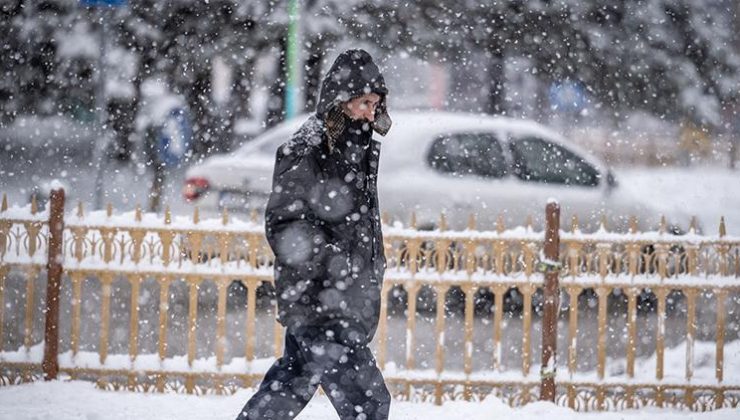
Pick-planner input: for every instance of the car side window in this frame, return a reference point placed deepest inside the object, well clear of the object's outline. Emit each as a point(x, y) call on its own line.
point(477, 154)
point(538, 160)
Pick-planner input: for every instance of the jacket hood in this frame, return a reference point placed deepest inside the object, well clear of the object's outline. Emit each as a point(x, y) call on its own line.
point(354, 74)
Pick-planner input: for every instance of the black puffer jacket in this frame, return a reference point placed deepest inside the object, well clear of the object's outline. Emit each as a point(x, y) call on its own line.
point(322, 218)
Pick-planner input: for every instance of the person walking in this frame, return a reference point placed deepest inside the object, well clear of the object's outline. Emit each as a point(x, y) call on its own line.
point(323, 225)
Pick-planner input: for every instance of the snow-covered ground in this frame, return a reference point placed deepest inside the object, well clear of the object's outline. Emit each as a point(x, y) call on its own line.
point(81, 400)
point(705, 192)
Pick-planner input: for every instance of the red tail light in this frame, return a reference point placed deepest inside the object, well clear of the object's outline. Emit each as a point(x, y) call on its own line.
point(194, 188)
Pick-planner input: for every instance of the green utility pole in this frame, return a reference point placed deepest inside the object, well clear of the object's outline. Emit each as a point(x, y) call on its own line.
point(292, 61)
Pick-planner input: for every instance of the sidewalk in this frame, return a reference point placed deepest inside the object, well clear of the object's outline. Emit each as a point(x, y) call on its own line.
point(80, 400)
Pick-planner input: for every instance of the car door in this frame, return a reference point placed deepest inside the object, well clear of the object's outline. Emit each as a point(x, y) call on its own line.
point(545, 169)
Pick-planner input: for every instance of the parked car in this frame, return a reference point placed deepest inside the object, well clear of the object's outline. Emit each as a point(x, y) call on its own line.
point(434, 162)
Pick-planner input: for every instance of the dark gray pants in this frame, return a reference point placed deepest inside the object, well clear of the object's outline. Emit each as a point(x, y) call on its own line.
point(312, 357)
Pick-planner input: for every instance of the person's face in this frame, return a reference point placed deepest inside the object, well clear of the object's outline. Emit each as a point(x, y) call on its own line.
point(362, 107)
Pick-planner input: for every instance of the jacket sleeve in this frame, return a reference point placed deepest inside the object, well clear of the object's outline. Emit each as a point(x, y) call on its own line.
point(292, 229)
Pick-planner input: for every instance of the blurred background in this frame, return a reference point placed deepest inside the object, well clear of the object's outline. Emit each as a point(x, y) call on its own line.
point(116, 96)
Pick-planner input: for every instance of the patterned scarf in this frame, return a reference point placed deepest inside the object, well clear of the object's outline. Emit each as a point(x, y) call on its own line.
point(336, 122)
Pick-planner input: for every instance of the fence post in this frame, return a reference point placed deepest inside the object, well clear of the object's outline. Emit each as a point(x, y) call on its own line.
point(50, 364)
point(551, 269)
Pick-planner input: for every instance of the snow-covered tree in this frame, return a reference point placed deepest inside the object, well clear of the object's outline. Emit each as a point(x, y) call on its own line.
point(29, 76)
point(672, 58)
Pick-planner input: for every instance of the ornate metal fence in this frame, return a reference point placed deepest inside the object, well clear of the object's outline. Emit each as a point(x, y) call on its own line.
point(158, 303)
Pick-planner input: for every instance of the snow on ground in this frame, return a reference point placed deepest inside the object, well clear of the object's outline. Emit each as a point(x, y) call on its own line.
point(81, 400)
point(705, 192)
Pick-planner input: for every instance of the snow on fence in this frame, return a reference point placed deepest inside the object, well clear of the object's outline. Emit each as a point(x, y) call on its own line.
point(151, 284)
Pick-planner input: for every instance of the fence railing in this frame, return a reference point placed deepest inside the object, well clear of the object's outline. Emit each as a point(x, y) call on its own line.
point(161, 303)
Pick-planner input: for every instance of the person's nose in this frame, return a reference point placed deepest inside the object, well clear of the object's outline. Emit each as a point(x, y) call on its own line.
point(370, 113)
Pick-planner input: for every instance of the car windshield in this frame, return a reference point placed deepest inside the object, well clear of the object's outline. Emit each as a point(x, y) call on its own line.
point(538, 160)
point(270, 145)
point(266, 143)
